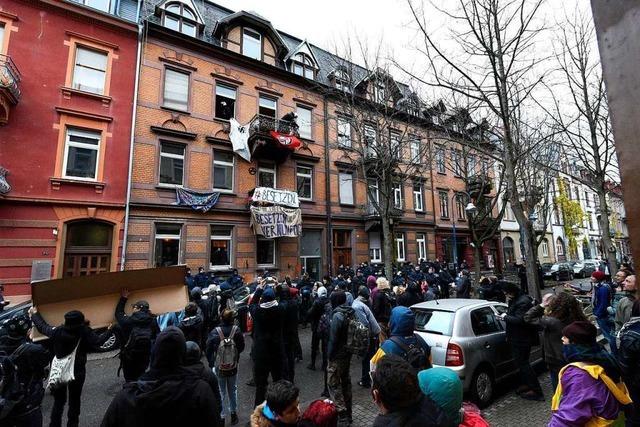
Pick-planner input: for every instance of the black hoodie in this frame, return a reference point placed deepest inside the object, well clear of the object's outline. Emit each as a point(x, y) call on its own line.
point(138, 319)
point(167, 395)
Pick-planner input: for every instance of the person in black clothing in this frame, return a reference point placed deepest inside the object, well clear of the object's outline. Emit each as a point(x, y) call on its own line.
point(268, 342)
point(318, 339)
point(290, 331)
point(338, 369)
point(73, 335)
point(138, 332)
point(193, 364)
point(521, 336)
point(167, 395)
point(396, 392)
point(463, 285)
point(412, 295)
point(444, 280)
point(192, 324)
point(490, 289)
point(383, 303)
point(356, 282)
point(201, 280)
point(209, 309)
point(228, 380)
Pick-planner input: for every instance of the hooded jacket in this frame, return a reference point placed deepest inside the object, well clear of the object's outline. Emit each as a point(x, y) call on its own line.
point(268, 324)
point(518, 331)
point(137, 319)
point(424, 413)
point(411, 296)
point(258, 419)
point(167, 395)
point(192, 328)
point(629, 353)
point(338, 332)
point(444, 387)
point(316, 311)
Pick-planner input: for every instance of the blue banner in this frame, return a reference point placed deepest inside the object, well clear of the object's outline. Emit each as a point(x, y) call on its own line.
point(198, 201)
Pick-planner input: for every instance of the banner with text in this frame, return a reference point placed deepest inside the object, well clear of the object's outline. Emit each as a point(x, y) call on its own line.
point(276, 197)
point(276, 221)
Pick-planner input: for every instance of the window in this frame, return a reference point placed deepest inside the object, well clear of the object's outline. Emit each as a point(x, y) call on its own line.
point(400, 247)
point(559, 247)
point(375, 246)
point(346, 188)
point(179, 17)
point(471, 165)
point(394, 141)
point(304, 121)
point(302, 65)
point(443, 196)
point(267, 106)
point(440, 161)
point(341, 80)
point(251, 44)
point(171, 163)
point(90, 70)
point(304, 182)
point(87, 248)
point(311, 253)
point(414, 148)
point(1, 36)
point(460, 205)
point(485, 167)
point(81, 154)
point(267, 176)
point(222, 171)
point(421, 241)
point(545, 247)
point(265, 252)
point(397, 196)
point(586, 199)
point(455, 162)
point(370, 139)
point(508, 251)
point(167, 247)
point(484, 322)
point(344, 132)
point(176, 90)
point(373, 195)
point(379, 91)
point(221, 238)
point(103, 5)
point(225, 101)
point(556, 215)
point(590, 217)
point(418, 203)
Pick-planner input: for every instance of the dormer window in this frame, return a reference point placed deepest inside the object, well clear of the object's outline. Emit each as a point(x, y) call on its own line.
point(181, 18)
point(302, 65)
point(341, 81)
point(251, 44)
point(379, 91)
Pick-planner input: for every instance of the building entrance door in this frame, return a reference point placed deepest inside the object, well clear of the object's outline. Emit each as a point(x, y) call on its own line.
point(341, 248)
point(87, 248)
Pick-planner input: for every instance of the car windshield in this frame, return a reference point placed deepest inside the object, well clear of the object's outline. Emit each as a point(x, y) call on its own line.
point(578, 265)
point(434, 321)
point(555, 267)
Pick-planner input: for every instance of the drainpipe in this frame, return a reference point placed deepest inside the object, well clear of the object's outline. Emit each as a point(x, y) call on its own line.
point(433, 197)
point(327, 179)
point(133, 130)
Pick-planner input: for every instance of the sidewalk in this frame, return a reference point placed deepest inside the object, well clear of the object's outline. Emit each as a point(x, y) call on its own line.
point(510, 410)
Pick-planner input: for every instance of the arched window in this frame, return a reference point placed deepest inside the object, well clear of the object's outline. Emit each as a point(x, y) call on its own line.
point(180, 17)
point(559, 247)
point(302, 65)
point(545, 247)
point(87, 248)
point(507, 249)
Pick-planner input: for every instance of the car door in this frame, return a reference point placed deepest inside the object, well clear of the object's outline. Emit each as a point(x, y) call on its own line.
point(503, 349)
point(490, 337)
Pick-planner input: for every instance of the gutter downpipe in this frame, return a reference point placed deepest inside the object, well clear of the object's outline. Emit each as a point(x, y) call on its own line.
point(132, 138)
point(327, 170)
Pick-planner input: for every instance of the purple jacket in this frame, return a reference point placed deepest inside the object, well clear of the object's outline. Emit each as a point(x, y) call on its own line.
point(583, 397)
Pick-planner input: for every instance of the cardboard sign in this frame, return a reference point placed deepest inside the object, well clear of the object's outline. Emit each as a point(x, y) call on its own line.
point(276, 197)
point(96, 296)
point(276, 221)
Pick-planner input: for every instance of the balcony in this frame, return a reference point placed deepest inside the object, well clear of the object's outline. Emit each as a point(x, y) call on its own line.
point(9, 87)
point(273, 139)
point(372, 216)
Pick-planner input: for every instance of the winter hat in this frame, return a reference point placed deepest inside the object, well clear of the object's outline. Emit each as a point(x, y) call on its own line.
point(320, 413)
point(192, 354)
point(268, 295)
point(322, 291)
point(74, 318)
point(169, 350)
point(598, 275)
point(444, 387)
point(581, 332)
point(371, 282)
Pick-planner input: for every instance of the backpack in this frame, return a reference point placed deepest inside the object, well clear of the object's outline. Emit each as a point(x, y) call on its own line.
point(358, 338)
point(324, 324)
point(214, 314)
point(227, 356)
point(389, 302)
point(138, 346)
point(413, 353)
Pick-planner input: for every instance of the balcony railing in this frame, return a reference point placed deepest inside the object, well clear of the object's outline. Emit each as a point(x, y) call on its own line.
point(10, 78)
point(261, 124)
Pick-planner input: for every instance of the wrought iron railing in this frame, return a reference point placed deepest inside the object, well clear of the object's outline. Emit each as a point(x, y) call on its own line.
point(10, 76)
point(265, 124)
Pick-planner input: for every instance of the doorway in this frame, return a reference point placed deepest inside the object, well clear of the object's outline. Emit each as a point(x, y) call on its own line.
point(87, 248)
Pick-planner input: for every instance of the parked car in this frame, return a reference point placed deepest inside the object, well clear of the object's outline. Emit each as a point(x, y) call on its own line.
point(584, 268)
point(112, 343)
point(559, 271)
point(467, 336)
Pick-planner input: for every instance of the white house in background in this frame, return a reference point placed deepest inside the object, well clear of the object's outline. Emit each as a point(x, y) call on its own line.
point(618, 223)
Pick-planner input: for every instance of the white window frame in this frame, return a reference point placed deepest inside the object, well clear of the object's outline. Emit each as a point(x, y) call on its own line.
point(371, 138)
point(89, 4)
point(269, 169)
point(224, 163)
point(305, 128)
point(545, 248)
point(171, 156)
point(342, 174)
point(273, 261)
point(76, 84)
point(232, 88)
point(305, 175)
point(421, 242)
point(68, 143)
point(167, 237)
point(397, 195)
point(344, 132)
point(418, 199)
point(379, 91)
point(253, 39)
point(441, 162)
point(268, 107)
point(164, 90)
point(375, 253)
point(414, 149)
point(394, 141)
point(400, 247)
point(228, 238)
point(445, 205)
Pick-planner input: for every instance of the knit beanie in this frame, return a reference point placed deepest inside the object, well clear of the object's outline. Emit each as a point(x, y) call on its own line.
point(598, 275)
point(581, 332)
point(322, 291)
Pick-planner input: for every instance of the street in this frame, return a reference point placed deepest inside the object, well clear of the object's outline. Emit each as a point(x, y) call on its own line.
point(102, 384)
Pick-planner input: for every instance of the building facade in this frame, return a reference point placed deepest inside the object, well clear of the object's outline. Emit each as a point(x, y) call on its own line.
point(65, 137)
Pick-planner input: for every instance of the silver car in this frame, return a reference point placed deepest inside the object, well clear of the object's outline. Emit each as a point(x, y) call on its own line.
point(467, 336)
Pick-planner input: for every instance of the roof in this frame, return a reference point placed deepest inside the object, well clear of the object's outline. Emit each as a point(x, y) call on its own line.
point(125, 9)
point(450, 304)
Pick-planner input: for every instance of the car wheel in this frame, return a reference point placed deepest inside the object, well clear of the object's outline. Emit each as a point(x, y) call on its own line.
point(482, 386)
point(112, 343)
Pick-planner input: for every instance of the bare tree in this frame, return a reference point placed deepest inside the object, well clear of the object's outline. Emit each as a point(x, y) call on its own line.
point(496, 67)
point(583, 121)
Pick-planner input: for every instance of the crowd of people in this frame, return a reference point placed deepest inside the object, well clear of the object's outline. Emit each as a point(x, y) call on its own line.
point(182, 369)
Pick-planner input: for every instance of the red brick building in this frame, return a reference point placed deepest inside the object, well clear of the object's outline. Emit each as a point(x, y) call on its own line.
point(67, 78)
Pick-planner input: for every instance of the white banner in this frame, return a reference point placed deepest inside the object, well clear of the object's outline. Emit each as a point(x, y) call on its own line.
point(276, 197)
point(276, 221)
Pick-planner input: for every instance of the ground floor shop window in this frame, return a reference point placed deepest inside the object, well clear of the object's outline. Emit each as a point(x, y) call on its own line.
point(87, 248)
point(167, 248)
point(221, 242)
point(311, 253)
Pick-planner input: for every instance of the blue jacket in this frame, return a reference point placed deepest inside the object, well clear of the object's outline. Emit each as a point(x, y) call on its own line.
point(402, 325)
point(366, 316)
point(601, 300)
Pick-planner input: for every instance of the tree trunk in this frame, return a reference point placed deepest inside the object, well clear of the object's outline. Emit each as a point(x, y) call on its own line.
point(607, 245)
point(387, 247)
point(530, 255)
